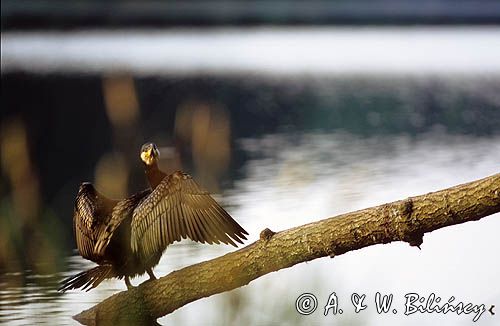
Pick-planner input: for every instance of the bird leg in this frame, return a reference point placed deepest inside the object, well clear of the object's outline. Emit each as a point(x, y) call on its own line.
point(127, 282)
point(151, 275)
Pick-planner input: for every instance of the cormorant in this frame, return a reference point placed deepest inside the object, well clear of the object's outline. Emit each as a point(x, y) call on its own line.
point(127, 237)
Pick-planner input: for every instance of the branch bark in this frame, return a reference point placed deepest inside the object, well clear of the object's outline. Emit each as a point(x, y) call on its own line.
point(405, 220)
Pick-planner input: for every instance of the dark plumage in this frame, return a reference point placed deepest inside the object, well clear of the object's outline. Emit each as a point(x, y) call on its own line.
point(128, 237)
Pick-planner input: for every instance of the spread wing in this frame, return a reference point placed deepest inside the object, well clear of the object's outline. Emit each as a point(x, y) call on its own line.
point(176, 209)
point(122, 210)
point(91, 215)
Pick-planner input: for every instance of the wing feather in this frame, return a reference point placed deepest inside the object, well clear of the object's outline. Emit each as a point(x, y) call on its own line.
point(121, 211)
point(91, 215)
point(179, 208)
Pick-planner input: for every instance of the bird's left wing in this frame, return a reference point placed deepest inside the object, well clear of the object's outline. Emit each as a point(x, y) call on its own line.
point(176, 209)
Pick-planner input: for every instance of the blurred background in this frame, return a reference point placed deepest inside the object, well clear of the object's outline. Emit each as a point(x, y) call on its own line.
point(288, 111)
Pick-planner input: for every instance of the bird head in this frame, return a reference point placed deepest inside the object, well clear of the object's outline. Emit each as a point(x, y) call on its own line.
point(149, 153)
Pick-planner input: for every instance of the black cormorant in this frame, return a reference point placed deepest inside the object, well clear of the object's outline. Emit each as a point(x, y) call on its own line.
point(128, 237)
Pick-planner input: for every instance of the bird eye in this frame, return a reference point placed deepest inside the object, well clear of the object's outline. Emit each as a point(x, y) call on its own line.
point(145, 147)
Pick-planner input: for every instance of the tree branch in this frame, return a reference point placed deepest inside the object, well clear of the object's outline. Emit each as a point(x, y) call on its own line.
point(405, 220)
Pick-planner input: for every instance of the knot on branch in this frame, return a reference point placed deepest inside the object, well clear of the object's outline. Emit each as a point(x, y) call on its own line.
point(266, 234)
point(415, 239)
point(408, 208)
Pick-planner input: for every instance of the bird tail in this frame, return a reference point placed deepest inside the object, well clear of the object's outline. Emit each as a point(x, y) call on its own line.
point(87, 280)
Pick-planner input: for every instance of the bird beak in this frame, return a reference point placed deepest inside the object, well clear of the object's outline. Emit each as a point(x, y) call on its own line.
point(146, 156)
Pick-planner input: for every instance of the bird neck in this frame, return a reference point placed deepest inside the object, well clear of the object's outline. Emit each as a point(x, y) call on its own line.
point(154, 175)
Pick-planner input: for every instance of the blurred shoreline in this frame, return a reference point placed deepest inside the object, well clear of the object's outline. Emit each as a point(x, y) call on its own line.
point(295, 51)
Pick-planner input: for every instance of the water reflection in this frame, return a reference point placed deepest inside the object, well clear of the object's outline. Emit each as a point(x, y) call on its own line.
point(295, 178)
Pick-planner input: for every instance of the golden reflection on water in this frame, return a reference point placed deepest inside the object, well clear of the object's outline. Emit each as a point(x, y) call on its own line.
point(21, 207)
point(17, 166)
point(120, 97)
point(206, 129)
point(111, 175)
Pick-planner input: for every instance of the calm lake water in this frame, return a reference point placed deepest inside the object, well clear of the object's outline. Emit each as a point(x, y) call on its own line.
point(294, 179)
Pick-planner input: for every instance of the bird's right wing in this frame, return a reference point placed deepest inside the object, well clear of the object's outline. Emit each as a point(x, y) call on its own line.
point(92, 214)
